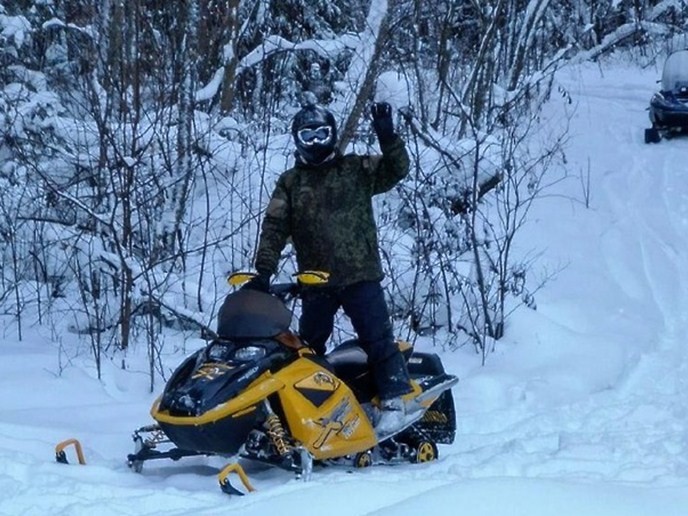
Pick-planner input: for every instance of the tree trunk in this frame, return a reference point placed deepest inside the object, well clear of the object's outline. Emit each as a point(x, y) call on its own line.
point(231, 60)
point(363, 71)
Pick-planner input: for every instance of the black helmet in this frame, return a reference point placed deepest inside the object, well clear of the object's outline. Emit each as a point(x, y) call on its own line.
point(315, 134)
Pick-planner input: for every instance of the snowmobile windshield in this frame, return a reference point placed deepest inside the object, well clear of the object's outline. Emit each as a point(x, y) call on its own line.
point(252, 314)
point(675, 74)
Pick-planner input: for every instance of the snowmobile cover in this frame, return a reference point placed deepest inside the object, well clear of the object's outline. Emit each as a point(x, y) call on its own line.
point(675, 73)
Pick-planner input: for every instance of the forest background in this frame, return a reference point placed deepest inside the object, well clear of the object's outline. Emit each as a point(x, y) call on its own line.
point(141, 139)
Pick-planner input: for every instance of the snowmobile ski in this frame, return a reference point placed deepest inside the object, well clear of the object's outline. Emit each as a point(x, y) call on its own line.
point(61, 454)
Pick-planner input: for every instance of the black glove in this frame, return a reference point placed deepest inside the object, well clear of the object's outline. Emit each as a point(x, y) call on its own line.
point(382, 122)
point(260, 282)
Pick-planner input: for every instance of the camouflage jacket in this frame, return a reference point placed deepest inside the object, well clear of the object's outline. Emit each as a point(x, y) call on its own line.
point(327, 212)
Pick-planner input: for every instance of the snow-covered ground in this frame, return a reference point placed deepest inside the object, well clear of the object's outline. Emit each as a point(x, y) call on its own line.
point(582, 410)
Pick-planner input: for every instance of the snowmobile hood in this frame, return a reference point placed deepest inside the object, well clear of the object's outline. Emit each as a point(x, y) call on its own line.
point(666, 103)
point(252, 314)
point(218, 373)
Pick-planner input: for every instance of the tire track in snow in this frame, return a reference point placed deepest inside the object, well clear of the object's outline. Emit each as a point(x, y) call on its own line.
point(635, 432)
point(642, 195)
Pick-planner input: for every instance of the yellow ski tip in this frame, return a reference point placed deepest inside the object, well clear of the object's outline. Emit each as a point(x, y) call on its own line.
point(226, 486)
point(61, 455)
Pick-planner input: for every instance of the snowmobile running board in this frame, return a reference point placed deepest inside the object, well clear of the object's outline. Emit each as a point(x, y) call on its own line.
point(226, 486)
point(61, 455)
point(148, 454)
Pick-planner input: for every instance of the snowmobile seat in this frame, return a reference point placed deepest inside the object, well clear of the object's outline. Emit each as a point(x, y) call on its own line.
point(349, 360)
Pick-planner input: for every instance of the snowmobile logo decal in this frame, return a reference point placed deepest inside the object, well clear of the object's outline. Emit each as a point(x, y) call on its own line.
point(211, 371)
point(337, 423)
point(323, 379)
point(320, 381)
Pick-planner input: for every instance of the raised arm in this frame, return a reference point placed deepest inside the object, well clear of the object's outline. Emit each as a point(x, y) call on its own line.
point(393, 165)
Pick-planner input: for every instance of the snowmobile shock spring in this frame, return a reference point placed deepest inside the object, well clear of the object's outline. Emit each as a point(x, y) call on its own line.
point(276, 432)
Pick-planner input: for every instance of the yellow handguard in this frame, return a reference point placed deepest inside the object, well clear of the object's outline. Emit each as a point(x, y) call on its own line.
point(306, 277)
point(239, 278)
point(313, 277)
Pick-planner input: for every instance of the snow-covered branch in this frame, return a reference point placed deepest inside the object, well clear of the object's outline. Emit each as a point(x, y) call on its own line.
point(618, 36)
point(273, 45)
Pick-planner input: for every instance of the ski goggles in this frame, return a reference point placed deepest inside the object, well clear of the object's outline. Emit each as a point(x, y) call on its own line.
point(314, 135)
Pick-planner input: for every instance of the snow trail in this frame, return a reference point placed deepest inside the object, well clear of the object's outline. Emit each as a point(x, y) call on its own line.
point(636, 429)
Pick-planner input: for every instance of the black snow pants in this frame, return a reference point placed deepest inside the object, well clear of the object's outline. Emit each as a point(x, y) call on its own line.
point(364, 303)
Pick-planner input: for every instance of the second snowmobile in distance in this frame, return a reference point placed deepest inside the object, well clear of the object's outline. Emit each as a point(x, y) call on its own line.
point(258, 392)
point(669, 106)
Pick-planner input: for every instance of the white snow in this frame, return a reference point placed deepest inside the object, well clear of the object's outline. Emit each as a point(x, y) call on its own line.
point(208, 91)
point(581, 411)
point(14, 28)
point(393, 87)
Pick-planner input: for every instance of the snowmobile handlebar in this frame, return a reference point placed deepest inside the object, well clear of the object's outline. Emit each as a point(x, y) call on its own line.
point(283, 291)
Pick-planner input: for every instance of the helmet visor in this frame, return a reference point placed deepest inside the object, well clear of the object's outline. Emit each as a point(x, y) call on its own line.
point(314, 135)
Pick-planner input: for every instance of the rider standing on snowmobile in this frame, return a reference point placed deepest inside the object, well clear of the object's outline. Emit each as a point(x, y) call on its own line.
point(324, 203)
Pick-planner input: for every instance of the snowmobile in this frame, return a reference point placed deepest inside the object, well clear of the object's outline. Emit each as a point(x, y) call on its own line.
point(257, 392)
point(669, 107)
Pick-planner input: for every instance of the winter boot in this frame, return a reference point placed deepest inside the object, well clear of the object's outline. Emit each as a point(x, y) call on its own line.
point(394, 417)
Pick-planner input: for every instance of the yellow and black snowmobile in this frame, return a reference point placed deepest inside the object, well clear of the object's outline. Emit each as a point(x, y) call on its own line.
point(257, 392)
